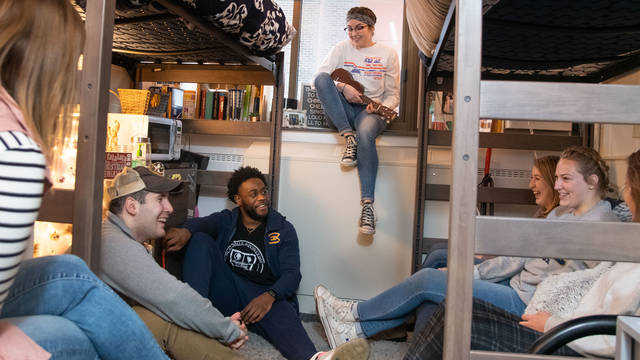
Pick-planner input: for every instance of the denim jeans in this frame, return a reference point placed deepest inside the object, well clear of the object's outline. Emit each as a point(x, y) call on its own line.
point(348, 117)
point(67, 310)
point(436, 259)
point(388, 309)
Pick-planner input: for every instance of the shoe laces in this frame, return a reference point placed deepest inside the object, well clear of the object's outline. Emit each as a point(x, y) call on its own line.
point(367, 217)
point(351, 148)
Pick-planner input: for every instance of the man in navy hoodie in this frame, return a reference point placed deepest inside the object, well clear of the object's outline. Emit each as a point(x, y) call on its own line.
point(247, 259)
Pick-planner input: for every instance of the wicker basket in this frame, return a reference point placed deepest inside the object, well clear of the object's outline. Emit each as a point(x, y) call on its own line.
point(134, 101)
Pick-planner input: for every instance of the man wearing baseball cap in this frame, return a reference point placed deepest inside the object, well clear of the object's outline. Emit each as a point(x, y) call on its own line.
point(184, 323)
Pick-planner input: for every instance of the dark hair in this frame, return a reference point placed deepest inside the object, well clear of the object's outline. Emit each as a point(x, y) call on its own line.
point(547, 167)
point(589, 163)
point(116, 205)
point(363, 14)
point(633, 182)
point(241, 175)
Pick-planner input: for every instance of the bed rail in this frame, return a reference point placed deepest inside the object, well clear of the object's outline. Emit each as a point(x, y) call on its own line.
point(468, 233)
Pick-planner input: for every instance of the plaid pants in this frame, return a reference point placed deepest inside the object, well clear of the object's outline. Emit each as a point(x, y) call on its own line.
point(492, 329)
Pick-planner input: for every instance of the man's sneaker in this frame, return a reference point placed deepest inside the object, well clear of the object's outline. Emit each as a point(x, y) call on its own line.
point(368, 219)
point(349, 156)
point(342, 309)
point(338, 332)
point(357, 349)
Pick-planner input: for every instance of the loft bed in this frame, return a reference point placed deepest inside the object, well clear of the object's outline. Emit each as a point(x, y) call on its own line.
point(570, 41)
point(538, 41)
point(198, 32)
point(556, 56)
point(185, 41)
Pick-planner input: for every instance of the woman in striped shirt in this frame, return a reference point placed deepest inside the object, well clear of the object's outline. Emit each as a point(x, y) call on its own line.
point(56, 301)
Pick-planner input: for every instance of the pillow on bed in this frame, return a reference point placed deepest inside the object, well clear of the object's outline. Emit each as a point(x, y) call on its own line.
point(260, 25)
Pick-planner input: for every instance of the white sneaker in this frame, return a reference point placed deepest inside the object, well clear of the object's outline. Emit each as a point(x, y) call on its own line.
point(342, 309)
point(357, 349)
point(338, 331)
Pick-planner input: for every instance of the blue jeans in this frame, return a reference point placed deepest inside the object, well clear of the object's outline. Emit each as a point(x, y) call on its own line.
point(67, 310)
point(388, 309)
point(436, 259)
point(348, 117)
point(206, 271)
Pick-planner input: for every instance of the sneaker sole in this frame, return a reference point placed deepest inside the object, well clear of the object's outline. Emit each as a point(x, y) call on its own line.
point(322, 316)
point(349, 163)
point(367, 231)
point(356, 349)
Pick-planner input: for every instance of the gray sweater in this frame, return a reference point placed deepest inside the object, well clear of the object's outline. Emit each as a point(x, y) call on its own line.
point(128, 268)
point(527, 273)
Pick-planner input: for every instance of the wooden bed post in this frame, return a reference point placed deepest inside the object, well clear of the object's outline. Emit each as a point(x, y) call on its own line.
point(275, 141)
point(94, 102)
point(464, 160)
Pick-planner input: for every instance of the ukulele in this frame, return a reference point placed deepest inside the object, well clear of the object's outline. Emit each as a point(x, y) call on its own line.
point(344, 76)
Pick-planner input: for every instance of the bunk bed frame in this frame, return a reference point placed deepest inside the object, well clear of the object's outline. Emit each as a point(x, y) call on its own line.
point(519, 100)
point(83, 205)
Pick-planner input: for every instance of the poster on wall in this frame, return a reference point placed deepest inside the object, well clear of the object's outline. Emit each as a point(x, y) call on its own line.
point(313, 106)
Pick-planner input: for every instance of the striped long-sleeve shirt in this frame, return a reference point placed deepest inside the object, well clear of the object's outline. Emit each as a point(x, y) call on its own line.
point(22, 174)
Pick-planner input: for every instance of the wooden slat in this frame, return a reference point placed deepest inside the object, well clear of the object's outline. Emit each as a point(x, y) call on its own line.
point(437, 192)
point(444, 36)
point(627, 337)
point(57, 206)
point(588, 103)
point(226, 127)
point(464, 156)
point(489, 355)
point(587, 240)
point(275, 139)
point(421, 175)
point(512, 141)
point(220, 74)
point(92, 131)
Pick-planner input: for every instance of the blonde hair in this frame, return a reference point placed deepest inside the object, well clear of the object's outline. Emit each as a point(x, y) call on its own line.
point(40, 44)
point(546, 165)
point(589, 163)
point(633, 182)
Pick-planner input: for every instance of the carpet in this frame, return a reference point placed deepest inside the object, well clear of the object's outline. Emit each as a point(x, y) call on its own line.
point(259, 348)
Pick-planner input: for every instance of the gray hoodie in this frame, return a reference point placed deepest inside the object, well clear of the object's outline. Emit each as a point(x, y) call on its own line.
point(527, 273)
point(127, 267)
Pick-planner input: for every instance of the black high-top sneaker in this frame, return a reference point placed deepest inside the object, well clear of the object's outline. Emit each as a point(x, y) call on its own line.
point(349, 156)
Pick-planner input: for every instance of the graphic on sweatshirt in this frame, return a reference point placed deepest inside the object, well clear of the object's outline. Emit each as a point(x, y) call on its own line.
point(245, 256)
point(372, 68)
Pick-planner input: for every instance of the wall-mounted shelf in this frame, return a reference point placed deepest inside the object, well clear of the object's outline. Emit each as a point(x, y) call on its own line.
point(226, 127)
point(220, 74)
point(494, 195)
point(511, 140)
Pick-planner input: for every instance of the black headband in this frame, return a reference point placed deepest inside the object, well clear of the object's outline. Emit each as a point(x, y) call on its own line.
point(362, 18)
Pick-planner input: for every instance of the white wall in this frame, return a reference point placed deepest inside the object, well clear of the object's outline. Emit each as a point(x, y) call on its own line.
point(617, 141)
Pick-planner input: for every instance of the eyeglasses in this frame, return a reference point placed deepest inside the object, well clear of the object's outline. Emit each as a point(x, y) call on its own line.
point(356, 29)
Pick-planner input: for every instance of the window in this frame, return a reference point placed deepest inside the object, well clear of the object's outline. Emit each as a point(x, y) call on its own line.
point(322, 24)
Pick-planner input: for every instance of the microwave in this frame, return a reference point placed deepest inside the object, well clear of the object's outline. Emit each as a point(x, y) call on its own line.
point(165, 135)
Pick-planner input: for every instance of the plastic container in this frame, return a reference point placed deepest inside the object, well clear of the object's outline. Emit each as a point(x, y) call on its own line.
point(141, 151)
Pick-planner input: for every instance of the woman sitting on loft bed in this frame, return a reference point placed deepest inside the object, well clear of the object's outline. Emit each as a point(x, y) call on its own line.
point(506, 282)
point(606, 289)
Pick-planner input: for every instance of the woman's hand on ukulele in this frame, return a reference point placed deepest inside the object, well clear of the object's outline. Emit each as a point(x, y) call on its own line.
point(351, 94)
point(372, 108)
